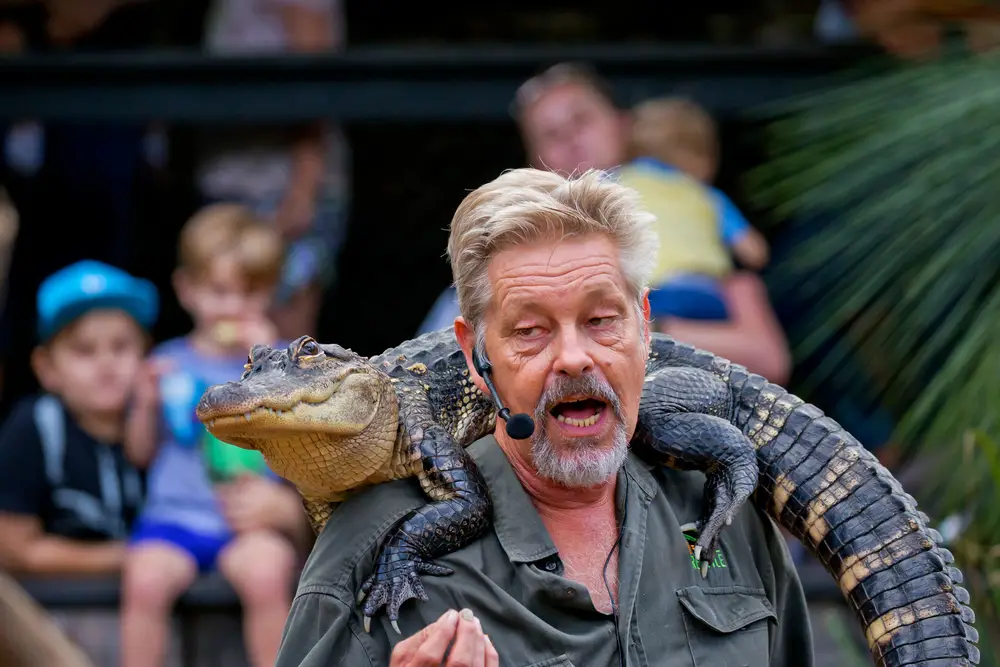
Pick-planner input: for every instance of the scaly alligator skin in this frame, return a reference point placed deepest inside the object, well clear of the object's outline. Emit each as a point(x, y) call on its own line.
point(332, 422)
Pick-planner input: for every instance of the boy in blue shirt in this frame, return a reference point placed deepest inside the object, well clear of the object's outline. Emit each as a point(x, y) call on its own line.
point(210, 506)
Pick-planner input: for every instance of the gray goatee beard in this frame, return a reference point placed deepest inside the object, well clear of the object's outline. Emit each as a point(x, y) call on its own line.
point(586, 462)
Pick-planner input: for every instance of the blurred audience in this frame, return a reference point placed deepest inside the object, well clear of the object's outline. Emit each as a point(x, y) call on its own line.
point(210, 506)
point(673, 159)
point(295, 175)
point(569, 122)
point(80, 186)
point(69, 495)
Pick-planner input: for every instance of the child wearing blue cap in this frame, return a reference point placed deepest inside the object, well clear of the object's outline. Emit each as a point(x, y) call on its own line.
point(68, 493)
point(210, 506)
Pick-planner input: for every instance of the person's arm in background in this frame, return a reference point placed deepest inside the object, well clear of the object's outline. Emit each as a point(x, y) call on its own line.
point(25, 548)
point(746, 243)
point(266, 502)
point(310, 28)
point(143, 421)
point(752, 336)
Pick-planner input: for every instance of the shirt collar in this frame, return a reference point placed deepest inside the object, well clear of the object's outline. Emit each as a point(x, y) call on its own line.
point(516, 522)
point(653, 164)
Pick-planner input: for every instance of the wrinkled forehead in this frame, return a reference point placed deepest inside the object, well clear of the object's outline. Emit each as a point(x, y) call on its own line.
point(556, 275)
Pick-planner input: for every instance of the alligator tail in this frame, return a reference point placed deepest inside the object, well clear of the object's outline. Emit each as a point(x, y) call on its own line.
point(820, 484)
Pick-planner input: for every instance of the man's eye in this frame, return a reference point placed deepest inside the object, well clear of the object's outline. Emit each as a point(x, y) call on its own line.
point(526, 332)
point(601, 321)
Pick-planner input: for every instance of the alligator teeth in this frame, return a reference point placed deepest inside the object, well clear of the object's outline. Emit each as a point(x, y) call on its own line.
point(246, 415)
point(589, 421)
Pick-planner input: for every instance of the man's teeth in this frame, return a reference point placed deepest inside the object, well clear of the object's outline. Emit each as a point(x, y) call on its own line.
point(589, 421)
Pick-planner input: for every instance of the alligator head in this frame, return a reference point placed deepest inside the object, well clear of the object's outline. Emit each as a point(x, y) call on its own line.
point(322, 416)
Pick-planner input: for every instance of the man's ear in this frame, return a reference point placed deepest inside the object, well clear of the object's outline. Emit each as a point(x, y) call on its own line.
point(645, 315)
point(41, 364)
point(466, 340)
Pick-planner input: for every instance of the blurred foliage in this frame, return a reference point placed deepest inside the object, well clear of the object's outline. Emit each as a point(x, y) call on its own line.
point(904, 157)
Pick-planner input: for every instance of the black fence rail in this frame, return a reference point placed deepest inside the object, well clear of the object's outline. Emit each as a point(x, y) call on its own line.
point(390, 84)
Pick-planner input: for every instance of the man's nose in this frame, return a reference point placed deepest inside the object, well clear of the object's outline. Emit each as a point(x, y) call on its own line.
point(572, 356)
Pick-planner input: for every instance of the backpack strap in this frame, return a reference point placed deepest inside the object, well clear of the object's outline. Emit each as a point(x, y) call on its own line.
point(52, 430)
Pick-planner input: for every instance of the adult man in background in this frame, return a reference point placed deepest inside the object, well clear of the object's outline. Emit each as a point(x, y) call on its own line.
point(585, 562)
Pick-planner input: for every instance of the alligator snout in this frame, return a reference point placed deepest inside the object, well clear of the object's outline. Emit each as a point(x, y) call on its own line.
point(220, 400)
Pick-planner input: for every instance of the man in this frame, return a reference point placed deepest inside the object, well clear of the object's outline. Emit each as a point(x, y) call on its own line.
point(585, 563)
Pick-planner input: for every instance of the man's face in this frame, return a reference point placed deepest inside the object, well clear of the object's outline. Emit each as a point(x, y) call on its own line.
point(571, 128)
point(569, 348)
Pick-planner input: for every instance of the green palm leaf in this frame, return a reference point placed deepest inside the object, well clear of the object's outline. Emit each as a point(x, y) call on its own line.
point(906, 279)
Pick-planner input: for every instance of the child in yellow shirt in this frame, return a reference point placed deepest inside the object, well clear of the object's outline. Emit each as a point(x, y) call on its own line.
point(674, 157)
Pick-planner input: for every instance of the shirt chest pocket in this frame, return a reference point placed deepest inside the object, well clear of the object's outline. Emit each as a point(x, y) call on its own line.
point(727, 627)
point(558, 661)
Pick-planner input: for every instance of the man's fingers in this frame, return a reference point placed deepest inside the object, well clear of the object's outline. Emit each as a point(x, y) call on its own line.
point(470, 647)
point(403, 653)
point(432, 642)
point(492, 658)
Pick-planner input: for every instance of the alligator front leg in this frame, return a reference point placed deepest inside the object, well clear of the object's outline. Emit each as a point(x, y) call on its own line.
point(460, 513)
point(683, 425)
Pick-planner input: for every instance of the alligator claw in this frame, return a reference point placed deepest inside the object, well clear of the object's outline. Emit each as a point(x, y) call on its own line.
point(719, 510)
point(393, 583)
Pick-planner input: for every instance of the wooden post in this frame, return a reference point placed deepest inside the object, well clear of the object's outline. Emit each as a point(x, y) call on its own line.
point(28, 636)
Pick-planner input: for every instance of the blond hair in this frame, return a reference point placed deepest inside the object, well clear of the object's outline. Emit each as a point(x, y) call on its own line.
point(664, 127)
point(527, 204)
point(229, 229)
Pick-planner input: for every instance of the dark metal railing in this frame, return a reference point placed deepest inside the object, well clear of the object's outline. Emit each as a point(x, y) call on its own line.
point(409, 83)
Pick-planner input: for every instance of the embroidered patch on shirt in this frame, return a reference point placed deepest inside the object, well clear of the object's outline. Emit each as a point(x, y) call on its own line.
point(718, 561)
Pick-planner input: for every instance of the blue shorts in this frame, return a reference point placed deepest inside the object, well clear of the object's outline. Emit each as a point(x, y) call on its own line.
point(688, 298)
point(203, 548)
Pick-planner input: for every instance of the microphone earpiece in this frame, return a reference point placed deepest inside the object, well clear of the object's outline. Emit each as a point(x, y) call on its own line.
point(519, 426)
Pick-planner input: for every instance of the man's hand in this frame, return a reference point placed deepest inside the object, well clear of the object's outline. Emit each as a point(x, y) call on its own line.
point(254, 503)
point(427, 648)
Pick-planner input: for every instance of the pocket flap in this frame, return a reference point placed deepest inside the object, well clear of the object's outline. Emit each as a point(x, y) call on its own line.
point(726, 609)
point(558, 661)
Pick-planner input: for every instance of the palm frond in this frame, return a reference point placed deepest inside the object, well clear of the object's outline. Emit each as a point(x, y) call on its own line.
point(906, 279)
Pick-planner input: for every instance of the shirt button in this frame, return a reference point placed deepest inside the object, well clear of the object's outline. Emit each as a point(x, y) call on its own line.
point(570, 592)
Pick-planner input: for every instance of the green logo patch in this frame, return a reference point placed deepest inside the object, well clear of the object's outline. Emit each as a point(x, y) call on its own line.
point(718, 561)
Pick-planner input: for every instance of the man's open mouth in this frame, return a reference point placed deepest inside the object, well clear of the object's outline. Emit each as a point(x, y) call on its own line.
point(580, 412)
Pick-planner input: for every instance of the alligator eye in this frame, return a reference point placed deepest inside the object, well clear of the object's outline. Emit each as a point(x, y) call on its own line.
point(310, 348)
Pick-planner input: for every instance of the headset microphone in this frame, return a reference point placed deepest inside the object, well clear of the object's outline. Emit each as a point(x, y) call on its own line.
point(519, 426)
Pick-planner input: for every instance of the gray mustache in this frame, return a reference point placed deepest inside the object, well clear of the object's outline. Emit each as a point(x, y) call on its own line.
point(565, 387)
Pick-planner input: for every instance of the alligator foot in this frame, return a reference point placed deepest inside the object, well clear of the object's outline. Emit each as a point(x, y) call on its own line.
point(722, 500)
point(692, 441)
point(395, 580)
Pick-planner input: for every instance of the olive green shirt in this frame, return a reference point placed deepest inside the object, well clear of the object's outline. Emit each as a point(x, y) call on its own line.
point(750, 611)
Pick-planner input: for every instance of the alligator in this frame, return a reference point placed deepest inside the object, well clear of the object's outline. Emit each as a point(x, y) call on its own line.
point(331, 422)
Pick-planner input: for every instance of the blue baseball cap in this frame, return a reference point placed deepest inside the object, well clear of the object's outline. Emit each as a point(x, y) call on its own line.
point(86, 285)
